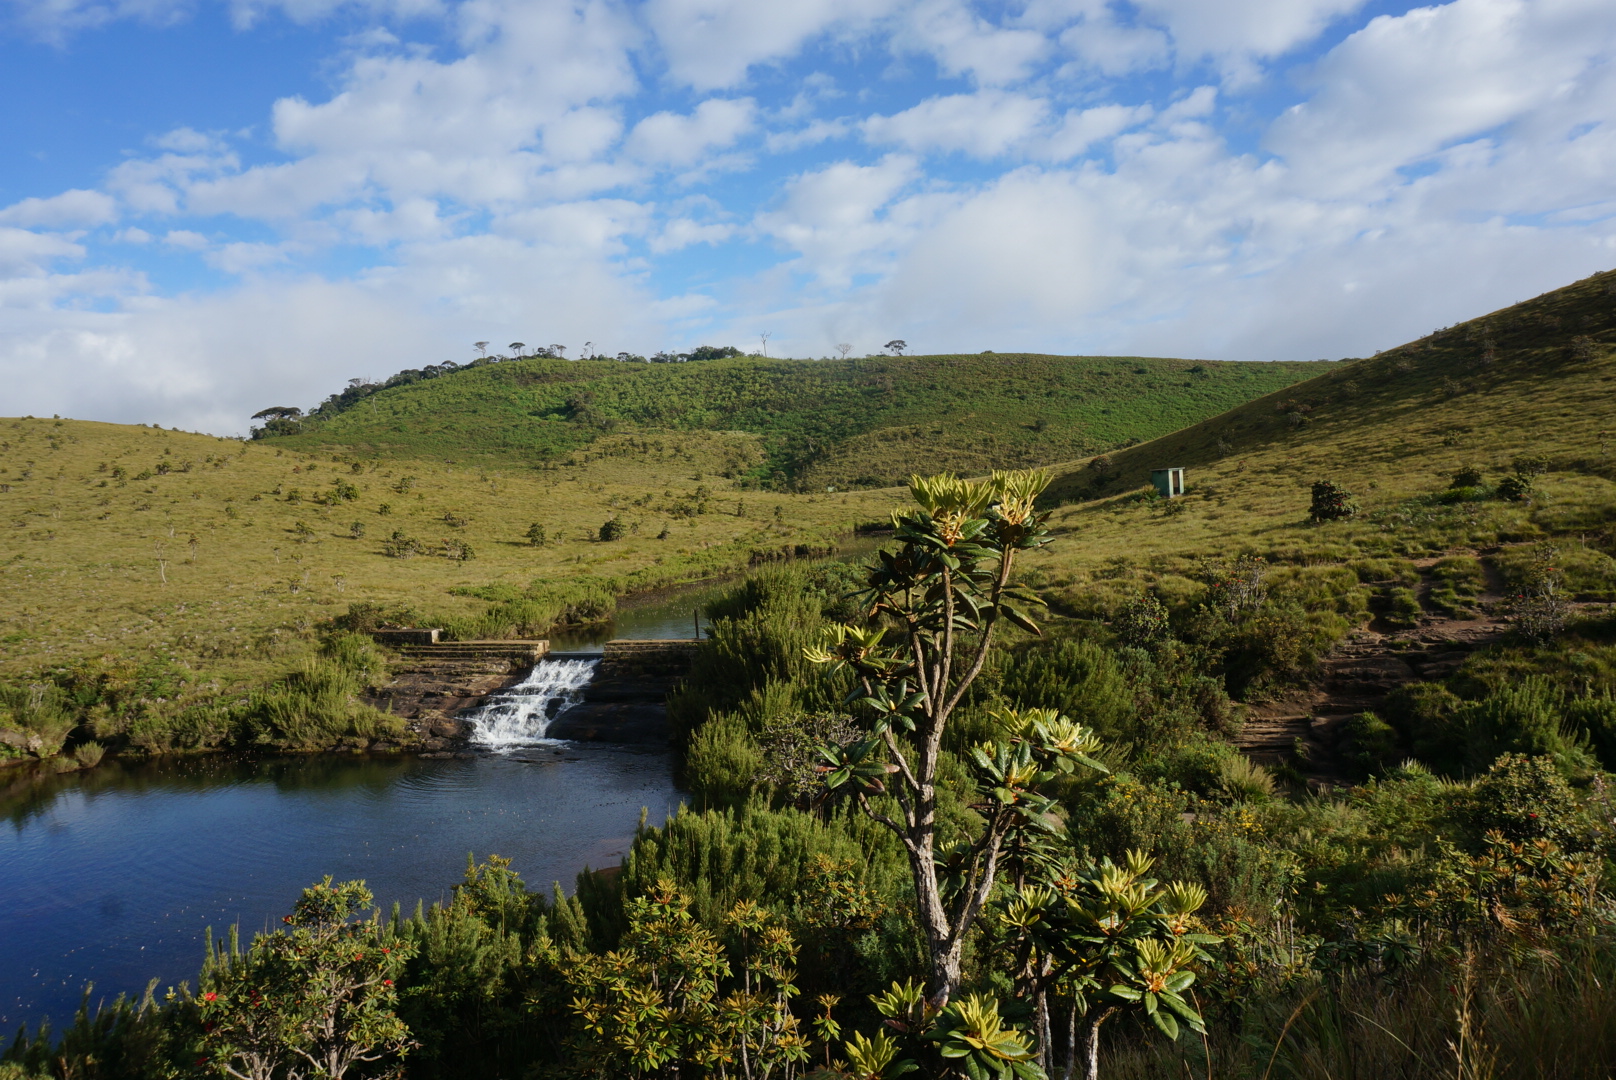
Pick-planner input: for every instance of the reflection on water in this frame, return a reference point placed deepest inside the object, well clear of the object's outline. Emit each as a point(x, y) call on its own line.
point(112, 875)
point(672, 615)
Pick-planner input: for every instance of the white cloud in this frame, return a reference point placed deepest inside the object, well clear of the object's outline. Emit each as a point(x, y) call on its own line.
point(985, 124)
point(834, 216)
point(667, 138)
point(1439, 162)
point(243, 258)
point(70, 208)
point(710, 44)
point(964, 43)
point(1081, 129)
point(29, 253)
point(1402, 88)
point(1111, 48)
point(681, 233)
point(57, 20)
point(810, 134)
point(186, 240)
point(1235, 28)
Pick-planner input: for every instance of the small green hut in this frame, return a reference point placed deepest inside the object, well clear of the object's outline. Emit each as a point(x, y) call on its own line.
point(1170, 482)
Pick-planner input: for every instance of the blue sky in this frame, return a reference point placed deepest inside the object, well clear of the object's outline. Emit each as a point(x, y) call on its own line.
point(206, 207)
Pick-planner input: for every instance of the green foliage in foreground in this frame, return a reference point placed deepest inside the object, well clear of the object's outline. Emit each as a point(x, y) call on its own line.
point(1185, 913)
point(867, 422)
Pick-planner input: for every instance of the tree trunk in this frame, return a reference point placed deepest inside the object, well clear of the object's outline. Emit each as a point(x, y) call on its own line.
point(1046, 1061)
point(1091, 1044)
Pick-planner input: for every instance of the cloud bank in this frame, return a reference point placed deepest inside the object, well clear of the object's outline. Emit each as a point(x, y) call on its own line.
point(1240, 179)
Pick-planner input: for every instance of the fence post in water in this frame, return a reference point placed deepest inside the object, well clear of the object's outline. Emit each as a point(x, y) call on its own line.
point(695, 613)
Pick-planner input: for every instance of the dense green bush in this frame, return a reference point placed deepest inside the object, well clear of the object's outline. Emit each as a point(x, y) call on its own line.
point(1331, 502)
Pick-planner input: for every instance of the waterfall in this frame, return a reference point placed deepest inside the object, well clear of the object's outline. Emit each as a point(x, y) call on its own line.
point(519, 715)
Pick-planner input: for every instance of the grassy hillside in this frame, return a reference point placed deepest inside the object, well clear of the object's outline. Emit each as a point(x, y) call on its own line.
point(867, 422)
point(1538, 378)
point(208, 562)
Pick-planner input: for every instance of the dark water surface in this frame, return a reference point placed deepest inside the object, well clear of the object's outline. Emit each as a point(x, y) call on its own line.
point(111, 876)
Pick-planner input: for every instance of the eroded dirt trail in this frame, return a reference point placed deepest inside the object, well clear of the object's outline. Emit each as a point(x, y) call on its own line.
point(1305, 725)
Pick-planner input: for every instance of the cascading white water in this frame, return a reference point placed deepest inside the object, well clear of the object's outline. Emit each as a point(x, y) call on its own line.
point(520, 714)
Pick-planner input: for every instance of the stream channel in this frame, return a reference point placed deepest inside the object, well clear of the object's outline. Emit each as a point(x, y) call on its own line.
point(112, 876)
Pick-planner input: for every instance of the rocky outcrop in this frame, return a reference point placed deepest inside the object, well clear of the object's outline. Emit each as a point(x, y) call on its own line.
point(434, 683)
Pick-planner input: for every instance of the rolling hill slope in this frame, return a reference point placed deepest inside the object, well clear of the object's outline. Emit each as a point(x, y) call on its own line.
point(850, 423)
point(1537, 378)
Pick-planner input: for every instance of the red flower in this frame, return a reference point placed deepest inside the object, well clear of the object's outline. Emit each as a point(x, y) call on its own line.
point(387, 982)
point(209, 996)
point(385, 951)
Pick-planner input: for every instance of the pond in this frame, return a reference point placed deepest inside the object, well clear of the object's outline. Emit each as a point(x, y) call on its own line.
point(112, 876)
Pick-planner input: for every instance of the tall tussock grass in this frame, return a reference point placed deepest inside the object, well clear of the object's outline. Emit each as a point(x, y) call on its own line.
point(318, 706)
point(1530, 1016)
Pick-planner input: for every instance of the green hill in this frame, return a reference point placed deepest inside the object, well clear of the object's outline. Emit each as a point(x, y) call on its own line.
point(843, 423)
point(1537, 379)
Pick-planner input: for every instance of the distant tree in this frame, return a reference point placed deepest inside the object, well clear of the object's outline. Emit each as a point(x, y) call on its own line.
point(481, 347)
point(712, 352)
point(558, 351)
point(278, 412)
point(612, 530)
point(589, 350)
point(517, 347)
point(896, 346)
point(764, 337)
point(844, 349)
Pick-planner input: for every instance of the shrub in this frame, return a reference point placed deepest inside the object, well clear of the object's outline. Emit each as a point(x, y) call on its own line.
point(1594, 718)
point(1374, 743)
point(1331, 502)
point(1467, 476)
point(1525, 798)
point(612, 529)
point(317, 707)
point(1427, 716)
point(1243, 780)
point(357, 530)
point(723, 763)
point(88, 755)
point(535, 534)
point(1454, 496)
point(400, 546)
point(1141, 622)
point(1516, 488)
point(1075, 678)
point(1530, 465)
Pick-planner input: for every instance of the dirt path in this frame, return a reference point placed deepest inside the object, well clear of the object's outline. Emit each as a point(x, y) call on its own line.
point(1304, 725)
